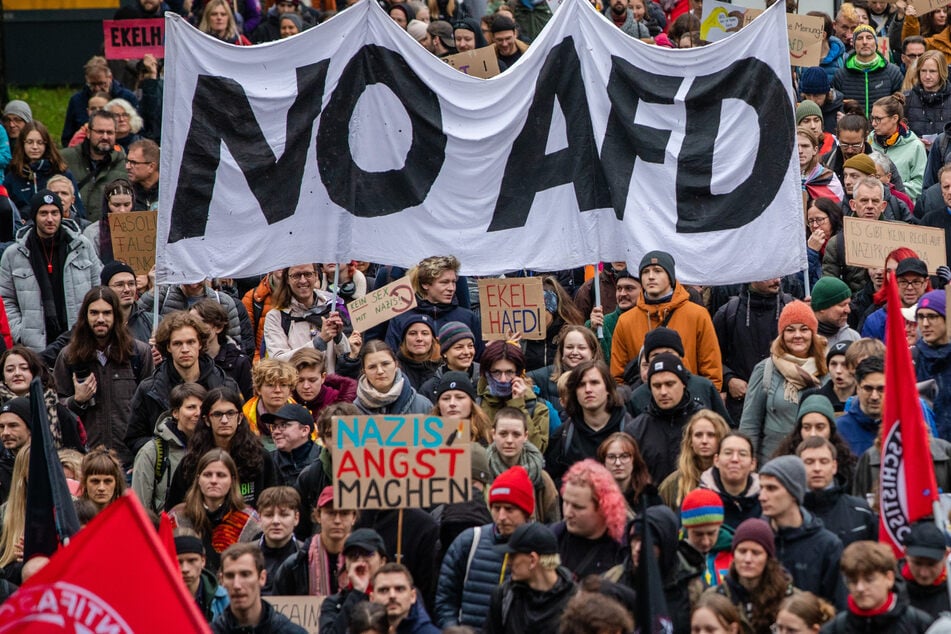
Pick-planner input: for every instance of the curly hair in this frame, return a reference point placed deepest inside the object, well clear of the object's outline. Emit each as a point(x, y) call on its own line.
point(429, 270)
point(689, 464)
point(604, 489)
point(770, 590)
point(589, 612)
point(214, 315)
point(175, 321)
point(847, 460)
point(273, 372)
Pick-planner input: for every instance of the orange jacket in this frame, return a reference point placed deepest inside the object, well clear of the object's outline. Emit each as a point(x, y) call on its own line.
point(701, 349)
point(262, 295)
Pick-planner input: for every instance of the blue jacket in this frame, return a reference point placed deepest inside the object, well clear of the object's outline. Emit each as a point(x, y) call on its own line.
point(874, 325)
point(857, 428)
point(417, 621)
point(76, 114)
point(465, 590)
point(935, 363)
point(811, 553)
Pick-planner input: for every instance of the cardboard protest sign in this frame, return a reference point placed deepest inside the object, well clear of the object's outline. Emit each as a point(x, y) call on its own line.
point(927, 6)
point(805, 36)
point(133, 239)
point(134, 39)
point(868, 242)
point(512, 305)
point(480, 62)
point(302, 610)
point(381, 304)
point(720, 19)
point(411, 461)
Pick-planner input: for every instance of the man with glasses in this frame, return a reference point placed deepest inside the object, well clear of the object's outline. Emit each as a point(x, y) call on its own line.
point(291, 428)
point(142, 164)
point(863, 417)
point(912, 277)
point(98, 78)
point(934, 354)
point(182, 339)
point(867, 76)
point(912, 47)
point(96, 162)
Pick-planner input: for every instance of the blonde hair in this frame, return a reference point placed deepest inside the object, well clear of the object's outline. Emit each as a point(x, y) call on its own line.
point(14, 517)
point(689, 467)
point(273, 371)
point(73, 460)
point(428, 270)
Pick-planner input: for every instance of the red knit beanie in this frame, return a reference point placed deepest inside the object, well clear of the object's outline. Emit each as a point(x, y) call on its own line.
point(798, 312)
point(514, 487)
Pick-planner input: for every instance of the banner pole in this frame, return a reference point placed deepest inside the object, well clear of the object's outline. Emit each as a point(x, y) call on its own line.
point(597, 294)
point(155, 311)
point(399, 537)
point(805, 280)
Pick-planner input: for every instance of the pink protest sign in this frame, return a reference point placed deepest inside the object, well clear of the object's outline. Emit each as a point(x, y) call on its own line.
point(134, 39)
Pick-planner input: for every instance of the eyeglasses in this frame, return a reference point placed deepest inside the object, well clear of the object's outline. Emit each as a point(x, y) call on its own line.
point(912, 55)
point(911, 283)
point(121, 115)
point(880, 119)
point(220, 416)
point(282, 425)
point(501, 374)
point(872, 389)
point(129, 161)
point(814, 222)
point(307, 275)
point(618, 457)
point(852, 146)
point(929, 317)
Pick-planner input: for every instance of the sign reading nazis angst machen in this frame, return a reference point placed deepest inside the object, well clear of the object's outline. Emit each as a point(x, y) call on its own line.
point(411, 461)
point(352, 142)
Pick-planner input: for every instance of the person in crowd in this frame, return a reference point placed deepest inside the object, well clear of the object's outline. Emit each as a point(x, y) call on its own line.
point(590, 536)
point(455, 397)
point(218, 21)
point(224, 427)
point(900, 204)
point(892, 137)
point(698, 447)
point(576, 344)
point(227, 355)
point(796, 363)
point(933, 349)
point(402, 14)
point(214, 507)
point(716, 614)
point(851, 131)
point(466, 582)
point(595, 412)
point(606, 279)
point(756, 583)
point(117, 199)
point(831, 302)
point(96, 162)
point(181, 338)
point(13, 522)
point(841, 384)
point(666, 303)
point(97, 373)
point(809, 115)
point(257, 303)
point(928, 103)
point(418, 351)
point(103, 478)
point(510, 447)
point(316, 389)
point(733, 477)
point(620, 455)
point(875, 604)
point(815, 83)
point(913, 282)
point(269, 29)
point(16, 114)
point(273, 383)
point(16, 422)
point(623, 17)
point(937, 217)
point(382, 387)
point(559, 312)
point(142, 164)
point(42, 306)
point(860, 424)
point(816, 417)
point(807, 550)
point(818, 181)
point(243, 575)
point(393, 587)
point(65, 188)
point(458, 352)
point(120, 277)
point(924, 569)
point(210, 598)
point(279, 515)
point(128, 122)
point(627, 288)
point(467, 34)
point(364, 553)
point(291, 428)
point(595, 613)
point(932, 27)
point(745, 327)
point(823, 223)
point(539, 588)
point(803, 612)
point(371, 618)
point(20, 366)
point(866, 75)
point(351, 282)
point(316, 568)
point(157, 461)
point(701, 516)
point(442, 42)
point(98, 78)
point(35, 159)
point(303, 316)
point(503, 383)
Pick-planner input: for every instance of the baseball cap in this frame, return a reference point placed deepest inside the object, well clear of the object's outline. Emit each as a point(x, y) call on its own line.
point(531, 538)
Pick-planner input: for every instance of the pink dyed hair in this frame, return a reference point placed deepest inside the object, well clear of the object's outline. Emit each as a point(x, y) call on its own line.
point(607, 495)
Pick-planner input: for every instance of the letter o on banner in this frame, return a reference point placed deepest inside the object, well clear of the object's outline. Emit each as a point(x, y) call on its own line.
point(372, 194)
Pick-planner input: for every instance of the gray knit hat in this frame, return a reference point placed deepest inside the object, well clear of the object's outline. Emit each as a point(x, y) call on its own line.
point(20, 109)
point(790, 471)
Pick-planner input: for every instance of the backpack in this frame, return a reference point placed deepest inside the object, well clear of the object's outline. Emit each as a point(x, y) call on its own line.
point(162, 462)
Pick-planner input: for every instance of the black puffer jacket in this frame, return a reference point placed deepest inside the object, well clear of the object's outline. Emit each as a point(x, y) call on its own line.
point(658, 433)
point(811, 555)
point(576, 441)
point(848, 516)
point(928, 112)
point(901, 619)
point(529, 610)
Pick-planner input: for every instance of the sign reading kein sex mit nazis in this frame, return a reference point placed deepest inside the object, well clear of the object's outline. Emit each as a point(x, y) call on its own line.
point(390, 462)
point(382, 304)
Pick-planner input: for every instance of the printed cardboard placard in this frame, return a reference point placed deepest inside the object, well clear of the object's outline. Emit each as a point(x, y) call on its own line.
point(805, 36)
point(134, 39)
point(479, 62)
point(391, 462)
point(927, 6)
point(868, 242)
point(302, 610)
point(133, 239)
point(512, 305)
point(721, 19)
point(381, 304)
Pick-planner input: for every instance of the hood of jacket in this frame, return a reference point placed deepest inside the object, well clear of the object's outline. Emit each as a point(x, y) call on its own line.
point(686, 406)
point(879, 63)
point(655, 314)
point(836, 50)
point(826, 498)
point(167, 429)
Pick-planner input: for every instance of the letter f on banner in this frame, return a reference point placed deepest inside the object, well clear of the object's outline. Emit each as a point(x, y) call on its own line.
point(907, 488)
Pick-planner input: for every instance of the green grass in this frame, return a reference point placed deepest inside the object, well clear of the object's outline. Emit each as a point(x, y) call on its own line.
point(48, 105)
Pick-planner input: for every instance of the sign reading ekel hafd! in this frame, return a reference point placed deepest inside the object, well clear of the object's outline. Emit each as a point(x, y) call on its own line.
point(512, 305)
point(411, 461)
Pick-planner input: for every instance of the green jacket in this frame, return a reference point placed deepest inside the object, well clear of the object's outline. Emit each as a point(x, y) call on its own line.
point(93, 184)
point(610, 321)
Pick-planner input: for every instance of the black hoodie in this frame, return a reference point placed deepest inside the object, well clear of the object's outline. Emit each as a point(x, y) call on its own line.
point(658, 433)
point(529, 610)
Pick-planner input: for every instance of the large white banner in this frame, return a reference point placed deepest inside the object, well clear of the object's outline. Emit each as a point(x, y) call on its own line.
point(350, 141)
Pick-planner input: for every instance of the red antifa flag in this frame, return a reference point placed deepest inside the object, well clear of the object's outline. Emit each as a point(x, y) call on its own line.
point(114, 576)
point(907, 486)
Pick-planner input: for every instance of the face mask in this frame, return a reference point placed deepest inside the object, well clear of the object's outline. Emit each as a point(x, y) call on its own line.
point(501, 389)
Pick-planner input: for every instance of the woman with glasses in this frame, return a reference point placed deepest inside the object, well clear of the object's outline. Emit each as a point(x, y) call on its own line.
point(892, 137)
point(223, 426)
point(128, 123)
point(619, 453)
point(699, 445)
point(383, 388)
point(823, 221)
point(913, 282)
point(35, 160)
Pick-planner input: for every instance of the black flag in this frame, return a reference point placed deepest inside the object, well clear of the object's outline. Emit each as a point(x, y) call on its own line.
point(50, 515)
point(652, 616)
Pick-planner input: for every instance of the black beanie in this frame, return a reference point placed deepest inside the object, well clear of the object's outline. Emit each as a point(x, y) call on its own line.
point(662, 337)
point(44, 197)
point(111, 269)
point(21, 407)
point(663, 260)
point(189, 544)
point(666, 362)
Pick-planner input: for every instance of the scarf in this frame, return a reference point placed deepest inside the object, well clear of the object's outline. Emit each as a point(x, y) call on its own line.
point(799, 375)
point(882, 609)
point(901, 131)
point(531, 458)
point(827, 330)
point(373, 398)
point(907, 576)
point(228, 530)
point(318, 567)
point(498, 389)
point(47, 259)
point(49, 398)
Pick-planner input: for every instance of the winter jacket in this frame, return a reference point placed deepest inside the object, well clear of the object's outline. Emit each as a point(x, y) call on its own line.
point(767, 416)
point(833, 265)
point(257, 302)
point(335, 610)
point(547, 502)
point(416, 372)
point(251, 483)
point(289, 329)
point(867, 470)
point(211, 598)
point(151, 397)
point(736, 508)
point(935, 363)
point(92, 180)
point(77, 115)
point(174, 299)
point(517, 608)
point(534, 407)
point(928, 112)
point(942, 220)
point(151, 479)
point(847, 516)
point(700, 388)
point(900, 619)
point(7, 458)
point(870, 84)
point(466, 582)
point(940, 41)
point(310, 483)
point(272, 622)
point(21, 187)
point(106, 417)
point(857, 428)
point(291, 463)
point(658, 434)
point(909, 156)
point(842, 334)
point(576, 441)
point(440, 314)
point(428, 389)
point(607, 329)
point(630, 27)
point(21, 291)
point(833, 61)
point(583, 556)
point(701, 350)
point(932, 600)
point(335, 389)
point(408, 402)
point(237, 365)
